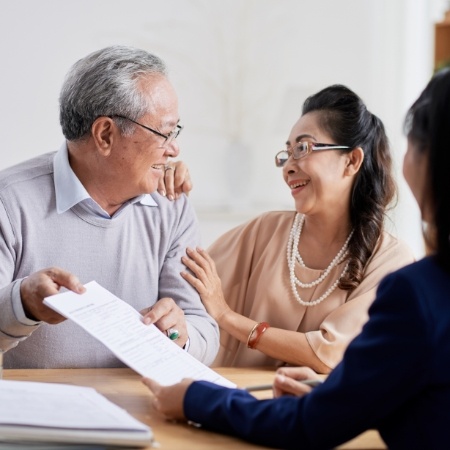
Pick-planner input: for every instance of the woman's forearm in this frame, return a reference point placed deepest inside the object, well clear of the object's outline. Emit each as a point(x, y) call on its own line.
point(291, 347)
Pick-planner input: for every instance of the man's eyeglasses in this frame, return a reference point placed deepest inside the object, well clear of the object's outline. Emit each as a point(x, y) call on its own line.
point(302, 150)
point(168, 137)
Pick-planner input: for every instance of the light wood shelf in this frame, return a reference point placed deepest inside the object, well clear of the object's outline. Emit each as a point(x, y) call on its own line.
point(442, 42)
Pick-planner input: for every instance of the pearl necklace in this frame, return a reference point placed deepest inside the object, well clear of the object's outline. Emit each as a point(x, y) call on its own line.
point(293, 255)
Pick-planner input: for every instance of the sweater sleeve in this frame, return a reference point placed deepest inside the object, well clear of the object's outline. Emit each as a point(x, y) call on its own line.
point(364, 389)
point(12, 331)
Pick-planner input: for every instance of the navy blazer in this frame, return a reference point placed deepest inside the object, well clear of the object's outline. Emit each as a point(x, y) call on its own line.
point(395, 377)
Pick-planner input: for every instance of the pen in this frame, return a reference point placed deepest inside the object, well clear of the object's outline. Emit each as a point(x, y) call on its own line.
point(265, 387)
point(259, 387)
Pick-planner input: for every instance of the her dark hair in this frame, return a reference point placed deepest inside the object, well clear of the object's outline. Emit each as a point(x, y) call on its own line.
point(427, 125)
point(346, 119)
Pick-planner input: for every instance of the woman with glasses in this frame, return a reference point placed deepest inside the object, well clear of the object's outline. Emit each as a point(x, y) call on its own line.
point(294, 286)
point(394, 376)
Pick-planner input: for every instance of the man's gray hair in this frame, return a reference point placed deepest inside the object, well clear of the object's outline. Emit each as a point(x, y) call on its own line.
point(106, 83)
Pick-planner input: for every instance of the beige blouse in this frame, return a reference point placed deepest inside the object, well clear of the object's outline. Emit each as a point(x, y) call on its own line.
point(252, 264)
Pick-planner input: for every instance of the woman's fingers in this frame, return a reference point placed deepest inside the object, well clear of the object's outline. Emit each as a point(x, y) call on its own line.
point(283, 385)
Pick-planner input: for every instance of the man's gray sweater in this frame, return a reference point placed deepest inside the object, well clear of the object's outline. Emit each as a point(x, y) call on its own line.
point(136, 256)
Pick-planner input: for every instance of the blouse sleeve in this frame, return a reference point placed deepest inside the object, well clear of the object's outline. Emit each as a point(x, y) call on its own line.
point(345, 322)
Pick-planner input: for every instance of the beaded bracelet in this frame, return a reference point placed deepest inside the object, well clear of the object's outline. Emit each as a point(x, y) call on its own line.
point(256, 333)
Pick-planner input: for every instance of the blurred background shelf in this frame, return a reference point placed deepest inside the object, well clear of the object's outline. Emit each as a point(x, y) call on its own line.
point(442, 43)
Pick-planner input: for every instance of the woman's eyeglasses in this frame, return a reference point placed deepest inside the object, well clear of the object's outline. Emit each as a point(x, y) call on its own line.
point(302, 150)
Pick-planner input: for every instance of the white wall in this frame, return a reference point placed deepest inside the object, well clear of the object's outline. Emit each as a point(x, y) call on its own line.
point(242, 69)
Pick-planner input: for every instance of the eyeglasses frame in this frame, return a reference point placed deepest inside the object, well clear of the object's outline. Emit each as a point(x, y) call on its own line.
point(311, 147)
point(168, 137)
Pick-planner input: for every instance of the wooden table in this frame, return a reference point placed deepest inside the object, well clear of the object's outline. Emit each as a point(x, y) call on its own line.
point(124, 387)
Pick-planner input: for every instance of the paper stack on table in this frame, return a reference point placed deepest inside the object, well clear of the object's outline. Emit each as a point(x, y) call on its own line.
point(53, 413)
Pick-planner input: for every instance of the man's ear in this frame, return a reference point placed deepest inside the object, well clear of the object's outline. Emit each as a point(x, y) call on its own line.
point(354, 160)
point(103, 132)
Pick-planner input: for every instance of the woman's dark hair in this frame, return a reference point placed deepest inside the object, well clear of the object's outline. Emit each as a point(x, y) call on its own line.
point(427, 126)
point(346, 119)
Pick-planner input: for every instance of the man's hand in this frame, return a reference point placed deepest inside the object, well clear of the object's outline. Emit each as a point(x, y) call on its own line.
point(44, 283)
point(176, 180)
point(167, 315)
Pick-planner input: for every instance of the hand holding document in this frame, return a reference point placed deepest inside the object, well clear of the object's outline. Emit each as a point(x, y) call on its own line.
point(120, 327)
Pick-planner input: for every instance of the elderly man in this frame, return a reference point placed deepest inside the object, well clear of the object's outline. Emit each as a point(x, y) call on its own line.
point(91, 211)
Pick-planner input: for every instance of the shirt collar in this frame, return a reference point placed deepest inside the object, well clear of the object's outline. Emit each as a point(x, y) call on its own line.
point(69, 189)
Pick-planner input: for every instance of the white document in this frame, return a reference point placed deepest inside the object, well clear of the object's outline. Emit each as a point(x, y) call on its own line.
point(51, 412)
point(120, 327)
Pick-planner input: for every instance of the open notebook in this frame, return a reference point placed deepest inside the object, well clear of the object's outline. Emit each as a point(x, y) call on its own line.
point(59, 413)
